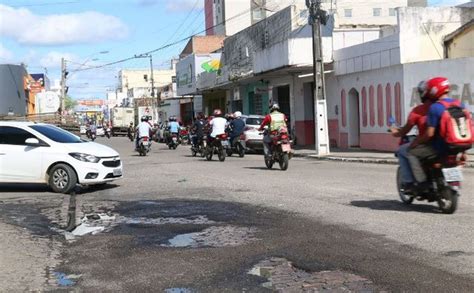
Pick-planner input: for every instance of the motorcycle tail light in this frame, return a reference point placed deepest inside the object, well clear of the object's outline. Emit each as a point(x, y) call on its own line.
point(145, 138)
point(455, 183)
point(284, 136)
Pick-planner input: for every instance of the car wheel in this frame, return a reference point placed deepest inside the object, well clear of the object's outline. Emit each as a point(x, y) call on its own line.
point(62, 178)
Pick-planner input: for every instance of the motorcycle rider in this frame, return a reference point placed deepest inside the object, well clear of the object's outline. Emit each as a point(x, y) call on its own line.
point(274, 120)
point(173, 126)
point(217, 124)
point(236, 126)
point(93, 129)
point(417, 117)
point(144, 129)
point(430, 145)
point(198, 130)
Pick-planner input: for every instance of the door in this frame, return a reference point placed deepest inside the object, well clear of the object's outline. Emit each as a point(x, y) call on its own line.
point(354, 119)
point(19, 162)
point(251, 103)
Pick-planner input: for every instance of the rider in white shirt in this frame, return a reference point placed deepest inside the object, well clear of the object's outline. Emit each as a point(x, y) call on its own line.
point(144, 129)
point(218, 124)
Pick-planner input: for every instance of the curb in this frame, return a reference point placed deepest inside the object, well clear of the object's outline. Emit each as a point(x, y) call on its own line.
point(358, 160)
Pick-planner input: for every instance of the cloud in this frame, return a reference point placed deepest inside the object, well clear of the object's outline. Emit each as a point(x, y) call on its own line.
point(175, 5)
point(59, 29)
point(5, 54)
point(53, 59)
point(447, 2)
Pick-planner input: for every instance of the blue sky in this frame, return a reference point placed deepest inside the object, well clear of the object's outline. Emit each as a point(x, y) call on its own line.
point(40, 32)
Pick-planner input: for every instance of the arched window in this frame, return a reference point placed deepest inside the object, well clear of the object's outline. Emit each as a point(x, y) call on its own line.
point(364, 107)
point(343, 108)
point(398, 103)
point(372, 106)
point(388, 102)
point(380, 112)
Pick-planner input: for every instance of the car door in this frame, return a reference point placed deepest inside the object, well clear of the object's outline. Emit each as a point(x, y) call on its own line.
point(19, 162)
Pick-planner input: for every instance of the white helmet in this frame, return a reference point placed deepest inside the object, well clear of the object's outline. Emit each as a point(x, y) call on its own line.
point(237, 114)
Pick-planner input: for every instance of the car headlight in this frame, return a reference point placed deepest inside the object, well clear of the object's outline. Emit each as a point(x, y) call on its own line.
point(85, 157)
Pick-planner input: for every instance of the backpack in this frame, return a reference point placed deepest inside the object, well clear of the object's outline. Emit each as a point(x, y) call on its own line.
point(456, 126)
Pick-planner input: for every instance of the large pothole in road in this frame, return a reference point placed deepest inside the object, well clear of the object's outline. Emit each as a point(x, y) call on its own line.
point(282, 276)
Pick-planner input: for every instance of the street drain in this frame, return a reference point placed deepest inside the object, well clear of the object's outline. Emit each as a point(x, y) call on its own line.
point(216, 236)
point(282, 276)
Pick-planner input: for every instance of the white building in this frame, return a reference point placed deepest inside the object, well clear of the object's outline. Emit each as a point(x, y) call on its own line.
point(376, 80)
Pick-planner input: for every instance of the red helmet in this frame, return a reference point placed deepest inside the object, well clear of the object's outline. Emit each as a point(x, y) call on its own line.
point(436, 87)
point(217, 112)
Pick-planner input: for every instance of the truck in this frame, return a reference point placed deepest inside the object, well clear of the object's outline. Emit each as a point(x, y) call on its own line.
point(121, 118)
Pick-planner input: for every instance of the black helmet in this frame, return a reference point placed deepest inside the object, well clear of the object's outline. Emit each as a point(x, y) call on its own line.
point(144, 118)
point(422, 90)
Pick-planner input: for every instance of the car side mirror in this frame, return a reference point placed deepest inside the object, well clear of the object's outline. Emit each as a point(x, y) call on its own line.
point(32, 142)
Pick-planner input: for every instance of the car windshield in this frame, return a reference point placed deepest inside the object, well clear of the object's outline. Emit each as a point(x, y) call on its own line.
point(57, 134)
point(253, 121)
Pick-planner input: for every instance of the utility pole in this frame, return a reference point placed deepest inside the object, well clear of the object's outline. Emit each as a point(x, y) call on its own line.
point(318, 17)
point(63, 88)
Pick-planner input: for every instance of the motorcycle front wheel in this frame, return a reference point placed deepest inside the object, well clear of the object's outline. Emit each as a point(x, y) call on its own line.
point(209, 153)
point(405, 198)
point(269, 162)
point(284, 162)
point(448, 200)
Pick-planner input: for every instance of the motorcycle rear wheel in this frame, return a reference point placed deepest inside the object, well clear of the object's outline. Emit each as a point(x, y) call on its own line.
point(405, 198)
point(284, 162)
point(229, 152)
point(448, 200)
point(241, 150)
point(193, 152)
point(221, 154)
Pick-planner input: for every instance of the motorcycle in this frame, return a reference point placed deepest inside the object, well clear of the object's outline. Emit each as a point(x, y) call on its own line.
point(237, 146)
point(444, 175)
point(107, 133)
point(200, 148)
point(281, 151)
point(130, 133)
point(217, 145)
point(144, 146)
point(173, 141)
point(93, 135)
point(184, 135)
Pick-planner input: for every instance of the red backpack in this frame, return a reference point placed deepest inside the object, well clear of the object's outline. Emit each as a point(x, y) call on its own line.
point(456, 126)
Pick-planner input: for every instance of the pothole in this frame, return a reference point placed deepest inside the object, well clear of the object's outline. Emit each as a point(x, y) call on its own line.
point(282, 276)
point(216, 236)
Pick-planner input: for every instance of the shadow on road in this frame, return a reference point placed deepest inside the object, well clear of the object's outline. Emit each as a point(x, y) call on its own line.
point(26, 188)
point(263, 168)
point(29, 188)
point(394, 205)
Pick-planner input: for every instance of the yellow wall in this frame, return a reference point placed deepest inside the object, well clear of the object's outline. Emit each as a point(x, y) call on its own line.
point(462, 45)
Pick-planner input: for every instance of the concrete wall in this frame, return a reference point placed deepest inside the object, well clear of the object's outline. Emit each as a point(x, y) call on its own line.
point(422, 30)
point(462, 45)
point(188, 69)
point(12, 91)
point(459, 72)
point(380, 96)
point(372, 55)
point(134, 78)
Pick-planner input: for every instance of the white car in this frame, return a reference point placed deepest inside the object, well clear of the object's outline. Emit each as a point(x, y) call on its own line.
point(100, 131)
point(253, 137)
point(42, 153)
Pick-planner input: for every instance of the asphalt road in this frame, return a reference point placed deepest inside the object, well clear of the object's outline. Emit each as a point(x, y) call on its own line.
point(183, 222)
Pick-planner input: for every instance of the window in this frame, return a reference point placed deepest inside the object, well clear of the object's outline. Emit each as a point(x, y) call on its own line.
point(392, 12)
point(57, 134)
point(253, 121)
point(347, 12)
point(14, 135)
point(377, 11)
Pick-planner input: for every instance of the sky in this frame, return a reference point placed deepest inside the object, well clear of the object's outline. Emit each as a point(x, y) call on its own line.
point(89, 33)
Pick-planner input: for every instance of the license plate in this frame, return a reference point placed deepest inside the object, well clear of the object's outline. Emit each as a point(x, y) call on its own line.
point(452, 174)
point(117, 172)
point(285, 147)
point(225, 143)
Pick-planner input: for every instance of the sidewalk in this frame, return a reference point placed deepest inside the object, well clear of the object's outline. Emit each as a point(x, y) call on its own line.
point(360, 156)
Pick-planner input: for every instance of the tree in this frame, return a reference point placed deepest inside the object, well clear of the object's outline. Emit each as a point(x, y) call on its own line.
point(69, 103)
